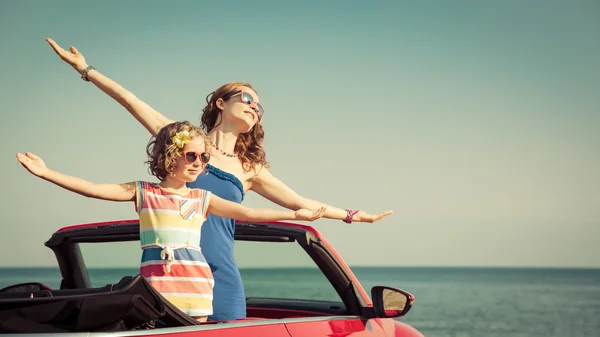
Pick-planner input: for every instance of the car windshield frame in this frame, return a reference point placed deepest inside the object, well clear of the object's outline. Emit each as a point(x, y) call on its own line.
point(65, 244)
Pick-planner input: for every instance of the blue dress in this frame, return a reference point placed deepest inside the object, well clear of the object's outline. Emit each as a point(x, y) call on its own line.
point(216, 242)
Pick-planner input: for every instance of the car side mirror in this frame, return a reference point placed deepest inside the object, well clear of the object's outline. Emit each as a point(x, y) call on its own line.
point(390, 302)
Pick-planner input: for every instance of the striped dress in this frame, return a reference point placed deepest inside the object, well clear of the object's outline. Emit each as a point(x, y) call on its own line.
point(172, 261)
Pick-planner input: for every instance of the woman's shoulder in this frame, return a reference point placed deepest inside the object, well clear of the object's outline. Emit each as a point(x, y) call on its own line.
point(258, 172)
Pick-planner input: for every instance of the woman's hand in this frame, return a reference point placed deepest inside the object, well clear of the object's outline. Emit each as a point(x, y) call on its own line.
point(308, 215)
point(365, 217)
point(32, 163)
point(151, 119)
point(73, 57)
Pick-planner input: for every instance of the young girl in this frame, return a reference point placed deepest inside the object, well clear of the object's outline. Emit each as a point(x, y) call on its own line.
point(171, 214)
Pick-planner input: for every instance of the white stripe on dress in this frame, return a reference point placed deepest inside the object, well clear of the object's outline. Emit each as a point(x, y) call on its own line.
point(180, 278)
point(193, 313)
point(180, 262)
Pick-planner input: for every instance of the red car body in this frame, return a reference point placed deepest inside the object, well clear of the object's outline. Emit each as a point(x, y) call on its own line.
point(356, 315)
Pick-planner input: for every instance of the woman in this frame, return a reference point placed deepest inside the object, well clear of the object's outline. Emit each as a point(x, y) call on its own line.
point(231, 119)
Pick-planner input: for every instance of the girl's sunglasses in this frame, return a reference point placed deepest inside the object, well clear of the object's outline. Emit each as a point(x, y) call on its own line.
point(191, 157)
point(248, 99)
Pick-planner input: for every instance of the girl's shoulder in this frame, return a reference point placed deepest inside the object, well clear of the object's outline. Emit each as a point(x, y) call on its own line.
point(147, 185)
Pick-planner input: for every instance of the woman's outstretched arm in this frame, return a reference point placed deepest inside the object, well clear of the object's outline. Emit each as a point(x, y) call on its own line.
point(268, 186)
point(151, 119)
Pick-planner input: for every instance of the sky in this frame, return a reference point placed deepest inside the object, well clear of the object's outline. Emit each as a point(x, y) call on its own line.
point(476, 122)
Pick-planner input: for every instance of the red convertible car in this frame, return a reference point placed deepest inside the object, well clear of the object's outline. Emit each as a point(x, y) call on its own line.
point(131, 307)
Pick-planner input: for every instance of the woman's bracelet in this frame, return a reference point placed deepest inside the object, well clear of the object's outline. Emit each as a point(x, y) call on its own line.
point(350, 215)
point(84, 74)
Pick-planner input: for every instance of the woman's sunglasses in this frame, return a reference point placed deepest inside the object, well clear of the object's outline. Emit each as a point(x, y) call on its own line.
point(191, 157)
point(248, 99)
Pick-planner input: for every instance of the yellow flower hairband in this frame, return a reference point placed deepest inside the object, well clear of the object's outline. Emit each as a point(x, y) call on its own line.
point(181, 138)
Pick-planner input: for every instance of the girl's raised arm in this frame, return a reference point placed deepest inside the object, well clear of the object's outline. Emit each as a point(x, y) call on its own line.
point(113, 192)
point(227, 209)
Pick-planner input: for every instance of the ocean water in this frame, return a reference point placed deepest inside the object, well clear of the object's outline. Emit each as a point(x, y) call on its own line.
point(457, 302)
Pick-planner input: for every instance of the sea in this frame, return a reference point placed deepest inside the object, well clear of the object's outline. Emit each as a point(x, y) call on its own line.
point(453, 301)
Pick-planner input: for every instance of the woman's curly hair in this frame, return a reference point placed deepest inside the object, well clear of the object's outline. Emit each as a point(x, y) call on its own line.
point(163, 153)
point(249, 145)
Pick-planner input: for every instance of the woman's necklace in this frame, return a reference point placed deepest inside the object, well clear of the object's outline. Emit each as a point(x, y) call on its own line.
point(225, 153)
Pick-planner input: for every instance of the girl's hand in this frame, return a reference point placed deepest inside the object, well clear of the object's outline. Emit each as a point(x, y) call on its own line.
point(73, 57)
point(365, 217)
point(32, 163)
point(308, 215)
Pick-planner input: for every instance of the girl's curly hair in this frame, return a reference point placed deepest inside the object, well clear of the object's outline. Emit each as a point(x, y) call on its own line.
point(163, 153)
point(249, 145)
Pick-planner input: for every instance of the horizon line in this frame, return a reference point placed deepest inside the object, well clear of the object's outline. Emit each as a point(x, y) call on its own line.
point(351, 267)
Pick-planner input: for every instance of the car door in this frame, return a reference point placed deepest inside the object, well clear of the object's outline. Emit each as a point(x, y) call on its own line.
point(337, 327)
point(246, 329)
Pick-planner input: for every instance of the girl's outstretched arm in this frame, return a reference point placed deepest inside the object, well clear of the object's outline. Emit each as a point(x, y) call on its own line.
point(228, 209)
point(151, 119)
point(113, 192)
point(265, 184)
